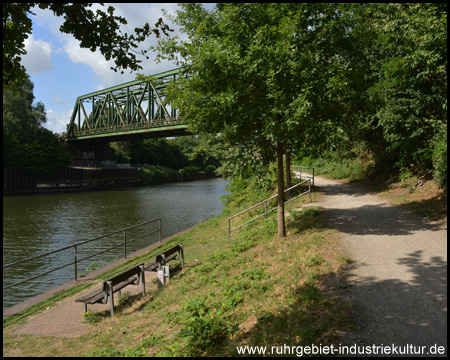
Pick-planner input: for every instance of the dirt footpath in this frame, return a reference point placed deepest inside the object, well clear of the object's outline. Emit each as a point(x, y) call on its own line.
point(398, 278)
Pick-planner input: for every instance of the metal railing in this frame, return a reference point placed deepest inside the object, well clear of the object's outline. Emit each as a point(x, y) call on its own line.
point(307, 175)
point(74, 246)
point(265, 202)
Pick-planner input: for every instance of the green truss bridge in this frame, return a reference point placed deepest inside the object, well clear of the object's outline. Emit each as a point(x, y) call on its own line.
point(134, 109)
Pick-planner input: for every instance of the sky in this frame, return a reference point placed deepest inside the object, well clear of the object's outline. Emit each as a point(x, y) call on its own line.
point(61, 70)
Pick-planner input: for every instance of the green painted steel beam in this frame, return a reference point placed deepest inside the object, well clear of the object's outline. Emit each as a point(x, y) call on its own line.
point(163, 131)
point(134, 108)
point(130, 83)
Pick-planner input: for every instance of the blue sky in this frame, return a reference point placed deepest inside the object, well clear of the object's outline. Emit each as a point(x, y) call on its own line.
point(61, 70)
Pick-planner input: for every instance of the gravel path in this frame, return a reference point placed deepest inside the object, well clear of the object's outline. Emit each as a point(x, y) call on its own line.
point(398, 278)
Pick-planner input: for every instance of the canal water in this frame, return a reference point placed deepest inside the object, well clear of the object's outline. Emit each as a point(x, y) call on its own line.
point(33, 225)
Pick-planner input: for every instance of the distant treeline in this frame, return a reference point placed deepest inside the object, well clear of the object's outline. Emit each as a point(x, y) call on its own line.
point(177, 153)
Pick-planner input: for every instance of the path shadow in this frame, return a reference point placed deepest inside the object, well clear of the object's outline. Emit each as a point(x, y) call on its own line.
point(370, 216)
point(341, 188)
point(380, 219)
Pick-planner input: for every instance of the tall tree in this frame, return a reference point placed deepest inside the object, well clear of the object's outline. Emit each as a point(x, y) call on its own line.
point(27, 145)
point(408, 63)
point(274, 72)
point(21, 116)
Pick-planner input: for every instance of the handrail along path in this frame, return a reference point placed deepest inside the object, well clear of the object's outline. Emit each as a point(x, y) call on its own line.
point(265, 202)
point(74, 246)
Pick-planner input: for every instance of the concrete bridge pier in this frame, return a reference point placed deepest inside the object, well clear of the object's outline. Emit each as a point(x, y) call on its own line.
point(89, 153)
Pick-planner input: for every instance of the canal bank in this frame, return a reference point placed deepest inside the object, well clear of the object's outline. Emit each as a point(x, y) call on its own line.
point(85, 279)
point(71, 179)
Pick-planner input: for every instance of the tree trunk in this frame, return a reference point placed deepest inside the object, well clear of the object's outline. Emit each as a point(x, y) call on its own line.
point(281, 224)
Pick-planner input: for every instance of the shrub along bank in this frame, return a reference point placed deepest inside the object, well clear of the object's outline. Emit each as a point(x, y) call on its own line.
point(75, 179)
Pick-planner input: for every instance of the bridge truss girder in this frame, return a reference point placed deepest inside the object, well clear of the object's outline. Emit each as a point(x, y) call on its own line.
point(134, 109)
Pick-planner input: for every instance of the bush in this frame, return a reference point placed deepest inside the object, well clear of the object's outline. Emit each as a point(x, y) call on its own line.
point(43, 155)
point(205, 324)
point(158, 172)
point(338, 165)
point(210, 169)
point(247, 191)
point(189, 170)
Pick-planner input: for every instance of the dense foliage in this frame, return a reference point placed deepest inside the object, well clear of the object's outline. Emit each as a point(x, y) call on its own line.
point(364, 80)
point(27, 145)
point(175, 154)
point(440, 159)
point(407, 76)
point(262, 72)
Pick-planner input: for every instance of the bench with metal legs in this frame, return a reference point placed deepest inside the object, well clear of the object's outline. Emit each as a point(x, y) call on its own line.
point(132, 276)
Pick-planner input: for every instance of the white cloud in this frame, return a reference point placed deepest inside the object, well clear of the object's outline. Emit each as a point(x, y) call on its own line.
point(94, 60)
point(137, 15)
point(57, 121)
point(37, 58)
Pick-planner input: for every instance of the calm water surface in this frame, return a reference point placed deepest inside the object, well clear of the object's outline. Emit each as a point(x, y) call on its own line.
point(33, 225)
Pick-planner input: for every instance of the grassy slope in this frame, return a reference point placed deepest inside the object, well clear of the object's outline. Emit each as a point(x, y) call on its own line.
point(427, 199)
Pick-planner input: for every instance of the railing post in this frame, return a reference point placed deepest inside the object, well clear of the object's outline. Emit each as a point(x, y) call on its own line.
point(124, 244)
point(229, 227)
point(313, 176)
point(309, 185)
point(265, 209)
point(76, 259)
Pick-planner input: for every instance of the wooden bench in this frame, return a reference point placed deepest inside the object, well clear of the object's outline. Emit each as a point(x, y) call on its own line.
point(129, 277)
point(163, 258)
